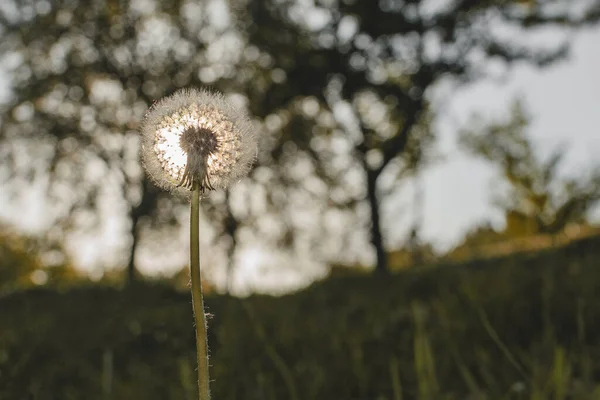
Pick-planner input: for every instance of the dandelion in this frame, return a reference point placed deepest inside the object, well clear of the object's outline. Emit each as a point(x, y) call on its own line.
point(196, 135)
point(192, 142)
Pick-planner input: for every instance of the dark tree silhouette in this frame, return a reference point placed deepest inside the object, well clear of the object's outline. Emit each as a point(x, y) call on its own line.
point(383, 59)
point(355, 74)
point(82, 75)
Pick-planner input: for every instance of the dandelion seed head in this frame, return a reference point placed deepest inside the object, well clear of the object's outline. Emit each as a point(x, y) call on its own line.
point(196, 135)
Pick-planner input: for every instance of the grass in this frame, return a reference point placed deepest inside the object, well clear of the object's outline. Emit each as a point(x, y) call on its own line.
point(517, 327)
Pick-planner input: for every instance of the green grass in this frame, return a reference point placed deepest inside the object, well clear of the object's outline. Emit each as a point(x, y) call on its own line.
point(520, 327)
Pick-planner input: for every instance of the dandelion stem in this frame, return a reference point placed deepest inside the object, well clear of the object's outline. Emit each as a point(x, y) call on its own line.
point(197, 302)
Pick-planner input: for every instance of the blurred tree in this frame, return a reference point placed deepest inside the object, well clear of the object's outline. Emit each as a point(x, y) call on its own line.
point(26, 262)
point(326, 80)
point(17, 264)
point(82, 75)
point(538, 199)
point(364, 73)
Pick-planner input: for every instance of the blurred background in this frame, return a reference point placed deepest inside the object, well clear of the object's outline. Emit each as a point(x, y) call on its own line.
point(422, 222)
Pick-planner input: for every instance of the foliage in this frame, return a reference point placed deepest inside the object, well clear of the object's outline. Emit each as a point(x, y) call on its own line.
point(370, 68)
point(22, 265)
point(539, 200)
point(82, 75)
point(16, 262)
point(520, 327)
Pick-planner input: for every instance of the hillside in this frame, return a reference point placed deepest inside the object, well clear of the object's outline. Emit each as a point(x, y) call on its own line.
point(523, 326)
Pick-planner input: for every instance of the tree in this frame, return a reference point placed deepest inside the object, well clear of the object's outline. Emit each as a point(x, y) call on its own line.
point(17, 262)
point(374, 64)
point(538, 200)
point(341, 87)
point(22, 264)
point(82, 75)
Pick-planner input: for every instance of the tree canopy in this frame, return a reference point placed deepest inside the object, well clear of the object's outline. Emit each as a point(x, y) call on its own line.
point(341, 91)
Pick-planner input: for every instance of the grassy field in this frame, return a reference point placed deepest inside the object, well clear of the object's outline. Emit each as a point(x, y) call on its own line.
point(518, 327)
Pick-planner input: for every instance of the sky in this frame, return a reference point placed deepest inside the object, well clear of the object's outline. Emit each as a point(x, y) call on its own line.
point(563, 101)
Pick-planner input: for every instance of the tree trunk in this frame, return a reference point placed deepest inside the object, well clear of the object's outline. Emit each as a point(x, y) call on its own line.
point(135, 217)
point(231, 226)
point(376, 236)
point(144, 208)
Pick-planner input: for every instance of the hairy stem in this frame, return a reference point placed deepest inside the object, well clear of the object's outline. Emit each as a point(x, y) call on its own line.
point(197, 302)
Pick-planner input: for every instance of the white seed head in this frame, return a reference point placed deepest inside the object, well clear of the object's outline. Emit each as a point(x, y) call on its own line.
point(196, 135)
